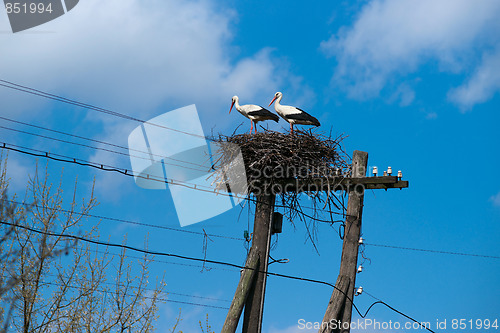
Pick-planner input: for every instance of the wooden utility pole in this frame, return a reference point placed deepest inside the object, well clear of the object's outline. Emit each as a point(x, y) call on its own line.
point(261, 240)
point(336, 303)
point(348, 265)
point(340, 304)
point(242, 292)
point(339, 310)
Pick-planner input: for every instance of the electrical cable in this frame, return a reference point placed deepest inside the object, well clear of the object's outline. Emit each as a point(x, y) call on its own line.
point(100, 166)
point(145, 297)
point(93, 140)
point(109, 168)
point(125, 221)
point(166, 262)
point(33, 91)
point(206, 170)
point(29, 90)
point(148, 177)
point(122, 246)
point(40, 93)
point(141, 288)
point(433, 251)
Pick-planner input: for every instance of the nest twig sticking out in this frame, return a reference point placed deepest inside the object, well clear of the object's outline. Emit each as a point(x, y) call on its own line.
point(270, 157)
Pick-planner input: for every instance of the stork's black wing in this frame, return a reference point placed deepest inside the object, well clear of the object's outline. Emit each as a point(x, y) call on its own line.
point(264, 113)
point(304, 117)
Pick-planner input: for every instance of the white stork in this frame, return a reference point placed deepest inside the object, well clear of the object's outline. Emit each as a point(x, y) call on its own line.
point(292, 114)
point(255, 113)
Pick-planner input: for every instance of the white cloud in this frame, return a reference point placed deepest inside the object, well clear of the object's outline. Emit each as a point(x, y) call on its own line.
point(392, 38)
point(106, 183)
point(138, 58)
point(19, 171)
point(190, 319)
point(495, 199)
point(404, 94)
point(431, 115)
point(483, 84)
point(135, 56)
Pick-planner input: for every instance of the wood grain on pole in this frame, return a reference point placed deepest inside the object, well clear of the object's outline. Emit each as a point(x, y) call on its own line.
point(336, 304)
point(261, 239)
point(241, 294)
point(348, 265)
point(340, 308)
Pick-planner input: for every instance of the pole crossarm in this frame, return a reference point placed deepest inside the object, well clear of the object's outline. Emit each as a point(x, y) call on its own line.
point(340, 183)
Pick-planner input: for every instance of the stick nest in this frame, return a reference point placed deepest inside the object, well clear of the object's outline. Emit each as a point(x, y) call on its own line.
point(269, 157)
point(274, 155)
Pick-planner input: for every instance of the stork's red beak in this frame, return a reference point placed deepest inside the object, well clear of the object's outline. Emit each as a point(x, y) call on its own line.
point(272, 101)
point(231, 107)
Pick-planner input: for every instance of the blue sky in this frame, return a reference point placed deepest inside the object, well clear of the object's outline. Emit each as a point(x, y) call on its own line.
point(414, 83)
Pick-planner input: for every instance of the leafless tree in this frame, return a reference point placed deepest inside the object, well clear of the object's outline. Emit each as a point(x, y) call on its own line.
point(49, 283)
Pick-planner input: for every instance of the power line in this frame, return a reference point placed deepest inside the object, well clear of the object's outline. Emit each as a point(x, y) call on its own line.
point(433, 251)
point(146, 297)
point(94, 140)
point(125, 221)
point(102, 149)
point(145, 289)
point(234, 238)
point(230, 237)
point(376, 298)
point(109, 168)
point(121, 153)
point(163, 261)
point(397, 311)
point(122, 246)
point(100, 166)
point(167, 262)
point(32, 91)
point(169, 292)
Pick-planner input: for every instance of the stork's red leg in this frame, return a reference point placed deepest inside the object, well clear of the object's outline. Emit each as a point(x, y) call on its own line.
point(291, 128)
point(251, 127)
point(255, 127)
